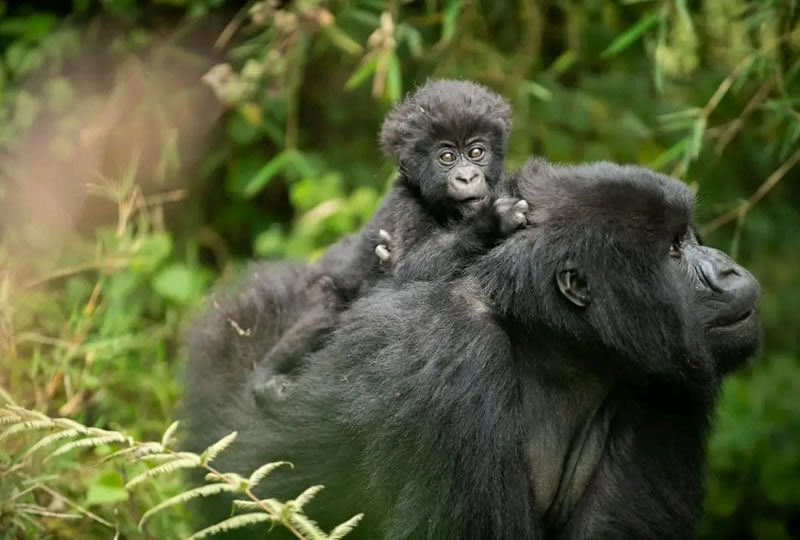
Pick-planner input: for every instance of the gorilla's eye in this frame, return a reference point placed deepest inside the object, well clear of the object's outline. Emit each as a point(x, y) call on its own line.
point(447, 157)
point(475, 152)
point(676, 248)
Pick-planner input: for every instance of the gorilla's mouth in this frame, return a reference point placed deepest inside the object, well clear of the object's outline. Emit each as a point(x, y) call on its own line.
point(474, 200)
point(736, 320)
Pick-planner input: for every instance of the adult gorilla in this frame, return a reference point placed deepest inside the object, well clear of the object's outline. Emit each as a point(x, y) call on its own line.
point(561, 389)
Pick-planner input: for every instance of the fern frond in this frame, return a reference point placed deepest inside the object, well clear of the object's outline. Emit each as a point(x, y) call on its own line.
point(263, 471)
point(307, 527)
point(6, 397)
point(145, 448)
point(202, 491)
point(88, 443)
point(344, 528)
point(301, 500)
point(213, 451)
point(51, 439)
point(10, 419)
point(166, 456)
point(66, 423)
point(169, 434)
point(99, 432)
point(236, 522)
point(27, 413)
point(249, 506)
point(232, 478)
point(183, 463)
point(26, 425)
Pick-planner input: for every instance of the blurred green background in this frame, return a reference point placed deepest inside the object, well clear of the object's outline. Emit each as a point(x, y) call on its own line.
point(148, 148)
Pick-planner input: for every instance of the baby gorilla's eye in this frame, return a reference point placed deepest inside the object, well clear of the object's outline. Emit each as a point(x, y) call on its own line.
point(475, 152)
point(447, 157)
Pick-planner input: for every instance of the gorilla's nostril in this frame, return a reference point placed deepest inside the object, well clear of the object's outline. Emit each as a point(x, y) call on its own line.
point(730, 271)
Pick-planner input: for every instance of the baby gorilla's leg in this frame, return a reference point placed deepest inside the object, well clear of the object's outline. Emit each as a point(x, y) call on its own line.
point(273, 375)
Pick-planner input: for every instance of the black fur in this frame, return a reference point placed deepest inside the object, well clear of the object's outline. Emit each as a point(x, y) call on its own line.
point(489, 406)
point(433, 233)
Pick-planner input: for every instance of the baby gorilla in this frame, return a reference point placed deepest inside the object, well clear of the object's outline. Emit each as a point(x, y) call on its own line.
point(448, 204)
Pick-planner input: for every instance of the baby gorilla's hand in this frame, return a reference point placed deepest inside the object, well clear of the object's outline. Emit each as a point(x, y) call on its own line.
point(383, 251)
point(511, 213)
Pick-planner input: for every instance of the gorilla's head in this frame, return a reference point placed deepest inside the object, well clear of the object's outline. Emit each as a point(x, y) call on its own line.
point(449, 139)
point(612, 260)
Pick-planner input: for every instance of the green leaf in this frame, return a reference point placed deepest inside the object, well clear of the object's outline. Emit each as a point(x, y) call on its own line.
point(412, 37)
point(450, 19)
point(536, 90)
point(631, 35)
point(176, 282)
point(269, 243)
point(106, 488)
point(394, 86)
point(260, 180)
point(151, 251)
point(339, 38)
point(365, 70)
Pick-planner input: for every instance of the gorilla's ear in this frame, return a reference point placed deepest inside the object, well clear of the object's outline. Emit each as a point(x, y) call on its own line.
point(572, 284)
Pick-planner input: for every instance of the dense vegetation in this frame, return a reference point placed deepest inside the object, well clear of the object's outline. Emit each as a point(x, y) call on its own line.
point(150, 147)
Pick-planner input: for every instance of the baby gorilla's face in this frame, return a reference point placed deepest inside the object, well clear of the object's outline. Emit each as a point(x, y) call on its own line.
point(463, 169)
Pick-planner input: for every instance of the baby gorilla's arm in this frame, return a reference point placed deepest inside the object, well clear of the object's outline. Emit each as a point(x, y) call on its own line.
point(444, 253)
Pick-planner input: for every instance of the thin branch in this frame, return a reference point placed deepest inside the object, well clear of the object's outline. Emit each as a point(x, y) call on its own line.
point(74, 505)
point(726, 84)
point(64, 272)
point(733, 129)
point(232, 27)
point(762, 190)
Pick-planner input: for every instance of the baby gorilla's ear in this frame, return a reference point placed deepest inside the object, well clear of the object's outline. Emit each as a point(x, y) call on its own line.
point(395, 131)
point(500, 110)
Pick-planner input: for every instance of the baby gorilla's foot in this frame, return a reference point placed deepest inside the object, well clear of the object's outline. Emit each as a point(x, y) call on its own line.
point(383, 251)
point(511, 213)
point(273, 389)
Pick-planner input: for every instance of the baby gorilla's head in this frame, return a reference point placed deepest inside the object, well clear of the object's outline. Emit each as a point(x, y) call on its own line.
point(449, 140)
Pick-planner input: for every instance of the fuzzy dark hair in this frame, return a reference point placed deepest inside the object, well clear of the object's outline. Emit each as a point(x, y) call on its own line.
point(445, 107)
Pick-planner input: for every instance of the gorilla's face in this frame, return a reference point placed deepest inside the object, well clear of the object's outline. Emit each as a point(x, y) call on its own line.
point(611, 266)
point(726, 298)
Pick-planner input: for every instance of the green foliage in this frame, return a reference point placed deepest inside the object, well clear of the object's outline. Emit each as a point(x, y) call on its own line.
point(151, 147)
point(162, 459)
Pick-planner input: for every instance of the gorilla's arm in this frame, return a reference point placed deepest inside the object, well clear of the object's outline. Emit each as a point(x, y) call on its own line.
point(645, 486)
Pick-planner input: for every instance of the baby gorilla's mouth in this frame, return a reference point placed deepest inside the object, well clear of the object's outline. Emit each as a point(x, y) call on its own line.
point(474, 200)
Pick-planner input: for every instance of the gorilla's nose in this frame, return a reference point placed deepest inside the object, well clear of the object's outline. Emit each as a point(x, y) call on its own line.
point(724, 276)
point(466, 175)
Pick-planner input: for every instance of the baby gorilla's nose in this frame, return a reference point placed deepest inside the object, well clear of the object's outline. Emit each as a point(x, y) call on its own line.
point(467, 175)
point(467, 183)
